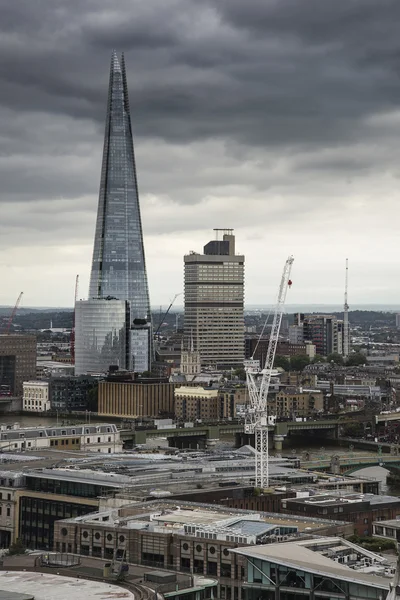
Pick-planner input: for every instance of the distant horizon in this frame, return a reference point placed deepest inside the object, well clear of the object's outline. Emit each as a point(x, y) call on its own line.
point(289, 308)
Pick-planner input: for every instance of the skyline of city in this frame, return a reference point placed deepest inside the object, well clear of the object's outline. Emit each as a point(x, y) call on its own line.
point(301, 132)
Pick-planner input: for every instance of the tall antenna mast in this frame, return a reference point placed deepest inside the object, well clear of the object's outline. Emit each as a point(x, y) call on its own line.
point(346, 315)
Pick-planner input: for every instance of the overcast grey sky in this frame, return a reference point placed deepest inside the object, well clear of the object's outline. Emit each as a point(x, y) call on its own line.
point(278, 118)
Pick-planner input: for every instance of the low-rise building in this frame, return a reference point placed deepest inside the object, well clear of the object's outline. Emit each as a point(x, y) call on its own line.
point(192, 538)
point(297, 403)
point(232, 401)
point(93, 438)
point(136, 398)
point(389, 529)
point(17, 363)
point(193, 403)
point(360, 509)
point(10, 484)
point(71, 393)
point(318, 568)
point(36, 396)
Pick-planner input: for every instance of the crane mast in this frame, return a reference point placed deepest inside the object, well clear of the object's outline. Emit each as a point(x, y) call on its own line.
point(257, 419)
point(346, 315)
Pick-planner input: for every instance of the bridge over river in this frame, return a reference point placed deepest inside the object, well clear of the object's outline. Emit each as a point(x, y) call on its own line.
point(350, 464)
point(208, 435)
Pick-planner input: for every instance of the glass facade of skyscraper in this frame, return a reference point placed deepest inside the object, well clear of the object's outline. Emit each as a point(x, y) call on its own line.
point(118, 290)
point(101, 329)
point(118, 267)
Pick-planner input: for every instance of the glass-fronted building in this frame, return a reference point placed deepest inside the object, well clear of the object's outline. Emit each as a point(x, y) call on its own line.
point(118, 267)
point(318, 569)
point(140, 347)
point(101, 335)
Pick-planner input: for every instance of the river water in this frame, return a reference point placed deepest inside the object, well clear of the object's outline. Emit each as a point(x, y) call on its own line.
point(315, 450)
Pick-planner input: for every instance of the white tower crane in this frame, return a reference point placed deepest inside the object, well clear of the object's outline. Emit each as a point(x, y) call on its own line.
point(346, 315)
point(257, 419)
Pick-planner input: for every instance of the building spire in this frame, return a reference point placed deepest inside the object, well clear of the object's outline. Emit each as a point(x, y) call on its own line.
point(118, 267)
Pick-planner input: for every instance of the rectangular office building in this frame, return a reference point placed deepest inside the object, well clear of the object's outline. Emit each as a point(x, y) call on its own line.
point(214, 301)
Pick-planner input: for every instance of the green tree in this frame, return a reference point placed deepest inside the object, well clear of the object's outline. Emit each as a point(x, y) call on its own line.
point(282, 362)
point(336, 358)
point(17, 547)
point(298, 363)
point(240, 374)
point(356, 359)
point(318, 358)
point(92, 401)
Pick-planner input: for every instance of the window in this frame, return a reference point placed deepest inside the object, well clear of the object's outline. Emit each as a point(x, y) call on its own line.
point(8, 511)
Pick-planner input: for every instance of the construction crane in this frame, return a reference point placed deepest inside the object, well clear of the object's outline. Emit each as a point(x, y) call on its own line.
point(72, 338)
point(346, 315)
point(256, 418)
point(7, 328)
point(162, 319)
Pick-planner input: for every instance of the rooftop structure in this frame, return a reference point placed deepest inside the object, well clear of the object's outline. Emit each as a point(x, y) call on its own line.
point(18, 585)
point(315, 567)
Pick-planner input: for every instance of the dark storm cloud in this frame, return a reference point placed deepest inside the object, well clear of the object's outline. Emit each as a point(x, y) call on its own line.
point(285, 106)
point(258, 72)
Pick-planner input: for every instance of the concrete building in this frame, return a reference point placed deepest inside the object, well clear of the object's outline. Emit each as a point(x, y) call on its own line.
point(389, 529)
point(296, 334)
point(71, 393)
point(319, 568)
point(232, 401)
point(136, 398)
point(191, 538)
point(103, 438)
point(36, 396)
point(360, 509)
point(31, 585)
point(322, 331)
point(192, 403)
point(10, 483)
point(297, 403)
point(17, 363)
point(214, 301)
point(257, 348)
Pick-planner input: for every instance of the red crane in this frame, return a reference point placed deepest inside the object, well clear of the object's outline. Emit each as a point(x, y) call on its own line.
point(72, 338)
point(7, 328)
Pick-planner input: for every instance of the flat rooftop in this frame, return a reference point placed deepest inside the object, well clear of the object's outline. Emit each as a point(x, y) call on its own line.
point(42, 586)
point(304, 555)
point(193, 513)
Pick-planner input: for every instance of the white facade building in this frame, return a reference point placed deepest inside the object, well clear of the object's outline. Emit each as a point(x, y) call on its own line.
point(103, 438)
point(36, 396)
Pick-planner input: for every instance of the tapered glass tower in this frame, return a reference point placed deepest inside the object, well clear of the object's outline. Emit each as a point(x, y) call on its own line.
point(113, 327)
point(118, 267)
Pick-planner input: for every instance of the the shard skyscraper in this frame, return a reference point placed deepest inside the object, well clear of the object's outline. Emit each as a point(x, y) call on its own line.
point(118, 282)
